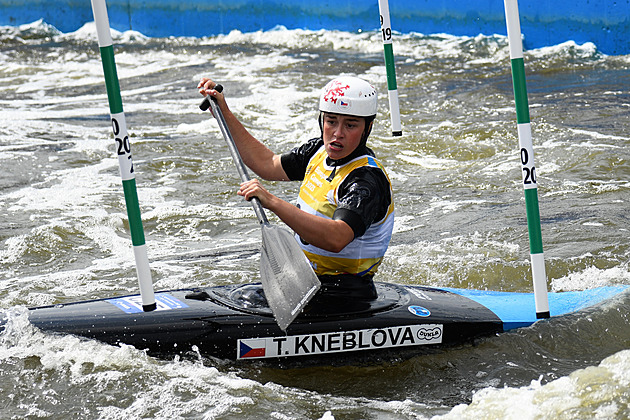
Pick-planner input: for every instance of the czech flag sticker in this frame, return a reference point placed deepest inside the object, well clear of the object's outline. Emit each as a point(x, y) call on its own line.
point(251, 348)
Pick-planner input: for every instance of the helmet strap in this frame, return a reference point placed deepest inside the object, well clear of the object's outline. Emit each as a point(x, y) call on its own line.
point(320, 120)
point(369, 122)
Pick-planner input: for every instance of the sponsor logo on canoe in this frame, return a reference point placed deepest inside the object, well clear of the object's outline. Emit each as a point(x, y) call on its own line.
point(133, 304)
point(419, 293)
point(337, 342)
point(420, 311)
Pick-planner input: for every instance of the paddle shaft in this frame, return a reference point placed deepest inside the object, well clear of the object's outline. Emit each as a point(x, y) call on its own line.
point(236, 156)
point(288, 279)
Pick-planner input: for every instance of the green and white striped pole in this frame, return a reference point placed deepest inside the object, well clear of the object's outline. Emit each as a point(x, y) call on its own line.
point(392, 87)
point(123, 150)
point(527, 159)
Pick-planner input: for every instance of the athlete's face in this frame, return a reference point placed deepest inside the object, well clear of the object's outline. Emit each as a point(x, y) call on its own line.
point(342, 134)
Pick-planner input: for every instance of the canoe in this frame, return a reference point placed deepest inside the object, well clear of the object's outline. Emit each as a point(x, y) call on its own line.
point(234, 322)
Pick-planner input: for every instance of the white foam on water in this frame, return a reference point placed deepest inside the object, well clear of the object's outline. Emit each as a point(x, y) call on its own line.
point(161, 389)
point(126, 383)
point(268, 111)
point(447, 204)
point(592, 277)
point(123, 381)
point(597, 392)
point(453, 258)
point(70, 190)
point(38, 27)
point(299, 38)
point(588, 186)
point(88, 33)
point(427, 161)
point(598, 136)
point(588, 50)
point(442, 45)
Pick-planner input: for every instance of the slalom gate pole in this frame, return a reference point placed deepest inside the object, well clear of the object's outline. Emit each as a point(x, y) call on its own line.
point(123, 150)
point(392, 87)
point(527, 159)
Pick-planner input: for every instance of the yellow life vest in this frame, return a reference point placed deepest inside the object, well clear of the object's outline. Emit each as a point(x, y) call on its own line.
point(318, 196)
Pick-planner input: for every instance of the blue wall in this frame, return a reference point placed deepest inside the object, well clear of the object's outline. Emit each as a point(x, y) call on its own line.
point(550, 22)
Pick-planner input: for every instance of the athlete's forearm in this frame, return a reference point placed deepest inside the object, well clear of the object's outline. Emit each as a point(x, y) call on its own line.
point(254, 153)
point(330, 235)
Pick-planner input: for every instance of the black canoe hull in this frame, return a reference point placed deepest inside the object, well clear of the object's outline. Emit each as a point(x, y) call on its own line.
point(219, 322)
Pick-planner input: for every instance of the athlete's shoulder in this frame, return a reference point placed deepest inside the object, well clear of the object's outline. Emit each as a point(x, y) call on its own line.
point(295, 161)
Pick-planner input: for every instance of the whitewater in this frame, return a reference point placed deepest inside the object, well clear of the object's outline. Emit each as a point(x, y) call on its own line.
point(460, 210)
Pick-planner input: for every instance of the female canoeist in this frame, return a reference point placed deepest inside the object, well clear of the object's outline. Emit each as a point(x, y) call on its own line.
point(345, 213)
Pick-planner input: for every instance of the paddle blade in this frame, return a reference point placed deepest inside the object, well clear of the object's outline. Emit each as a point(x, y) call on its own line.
point(287, 276)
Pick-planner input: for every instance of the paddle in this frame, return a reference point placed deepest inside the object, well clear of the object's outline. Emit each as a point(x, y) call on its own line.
point(286, 274)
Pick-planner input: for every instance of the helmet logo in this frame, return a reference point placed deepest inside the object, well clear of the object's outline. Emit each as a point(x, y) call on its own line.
point(336, 90)
point(348, 96)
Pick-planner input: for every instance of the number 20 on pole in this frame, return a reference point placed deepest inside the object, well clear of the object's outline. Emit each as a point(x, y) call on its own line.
point(529, 170)
point(123, 148)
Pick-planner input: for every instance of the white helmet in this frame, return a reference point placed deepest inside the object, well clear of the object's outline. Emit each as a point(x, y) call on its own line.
point(349, 95)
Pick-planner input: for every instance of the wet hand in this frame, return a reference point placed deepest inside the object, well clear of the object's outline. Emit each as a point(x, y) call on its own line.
point(253, 188)
point(206, 87)
point(206, 84)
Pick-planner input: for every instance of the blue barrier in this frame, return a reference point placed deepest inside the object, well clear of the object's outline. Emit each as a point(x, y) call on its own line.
point(603, 22)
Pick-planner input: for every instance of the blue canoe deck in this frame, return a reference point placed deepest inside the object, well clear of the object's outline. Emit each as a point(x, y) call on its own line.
point(518, 309)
